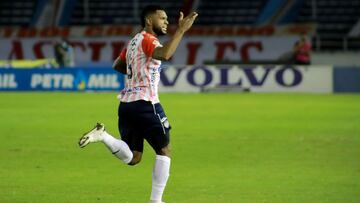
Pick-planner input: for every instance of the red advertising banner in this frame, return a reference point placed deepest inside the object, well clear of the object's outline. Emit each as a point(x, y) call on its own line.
point(192, 49)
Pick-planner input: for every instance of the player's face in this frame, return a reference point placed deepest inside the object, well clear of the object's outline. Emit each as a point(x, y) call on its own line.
point(160, 23)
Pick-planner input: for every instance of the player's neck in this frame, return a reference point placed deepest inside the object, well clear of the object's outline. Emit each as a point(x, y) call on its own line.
point(150, 31)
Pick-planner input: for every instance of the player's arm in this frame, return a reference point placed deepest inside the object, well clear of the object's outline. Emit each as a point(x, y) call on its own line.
point(168, 49)
point(119, 65)
point(120, 62)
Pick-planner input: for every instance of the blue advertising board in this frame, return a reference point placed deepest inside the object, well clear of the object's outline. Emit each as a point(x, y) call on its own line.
point(189, 79)
point(70, 79)
point(346, 79)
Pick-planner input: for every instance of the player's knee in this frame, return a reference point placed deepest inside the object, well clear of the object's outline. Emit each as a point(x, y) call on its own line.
point(136, 159)
point(165, 151)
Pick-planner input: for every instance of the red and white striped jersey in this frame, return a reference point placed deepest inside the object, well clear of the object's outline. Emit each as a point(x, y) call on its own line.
point(143, 71)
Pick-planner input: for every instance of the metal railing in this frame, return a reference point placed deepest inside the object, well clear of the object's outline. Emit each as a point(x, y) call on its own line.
point(335, 43)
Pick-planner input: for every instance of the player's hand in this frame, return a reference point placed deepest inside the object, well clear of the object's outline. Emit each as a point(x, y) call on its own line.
point(186, 23)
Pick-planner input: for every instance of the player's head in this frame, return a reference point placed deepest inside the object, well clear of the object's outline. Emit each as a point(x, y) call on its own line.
point(154, 17)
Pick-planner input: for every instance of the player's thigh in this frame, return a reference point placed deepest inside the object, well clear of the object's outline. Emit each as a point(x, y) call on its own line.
point(128, 128)
point(158, 133)
point(159, 142)
point(133, 139)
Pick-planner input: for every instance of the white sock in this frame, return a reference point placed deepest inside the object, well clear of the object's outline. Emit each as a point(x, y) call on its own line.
point(118, 147)
point(160, 177)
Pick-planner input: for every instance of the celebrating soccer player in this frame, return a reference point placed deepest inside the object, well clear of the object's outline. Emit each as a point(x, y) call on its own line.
point(140, 113)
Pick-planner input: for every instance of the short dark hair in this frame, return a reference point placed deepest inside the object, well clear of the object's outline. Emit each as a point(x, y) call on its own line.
point(148, 10)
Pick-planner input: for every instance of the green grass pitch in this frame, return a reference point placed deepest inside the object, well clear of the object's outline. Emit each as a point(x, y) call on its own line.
point(226, 148)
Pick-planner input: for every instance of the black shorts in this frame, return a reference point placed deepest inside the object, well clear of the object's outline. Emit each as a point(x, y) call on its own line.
point(141, 120)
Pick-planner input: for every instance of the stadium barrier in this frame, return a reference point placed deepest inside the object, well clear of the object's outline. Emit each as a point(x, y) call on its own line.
point(69, 79)
point(254, 78)
point(346, 79)
point(207, 78)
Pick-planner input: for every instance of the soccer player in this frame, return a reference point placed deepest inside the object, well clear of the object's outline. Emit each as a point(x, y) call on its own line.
point(140, 113)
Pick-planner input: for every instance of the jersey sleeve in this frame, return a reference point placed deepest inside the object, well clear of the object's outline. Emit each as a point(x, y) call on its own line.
point(149, 44)
point(123, 55)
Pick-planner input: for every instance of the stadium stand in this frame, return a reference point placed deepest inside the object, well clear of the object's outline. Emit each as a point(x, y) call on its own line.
point(334, 19)
point(17, 13)
point(107, 12)
point(230, 12)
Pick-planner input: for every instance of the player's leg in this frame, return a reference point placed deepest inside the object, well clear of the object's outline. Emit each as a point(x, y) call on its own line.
point(129, 149)
point(136, 158)
point(117, 147)
point(160, 174)
point(134, 141)
point(159, 139)
point(130, 134)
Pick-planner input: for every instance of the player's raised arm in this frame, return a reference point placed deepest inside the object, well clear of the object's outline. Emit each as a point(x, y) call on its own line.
point(168, 49)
